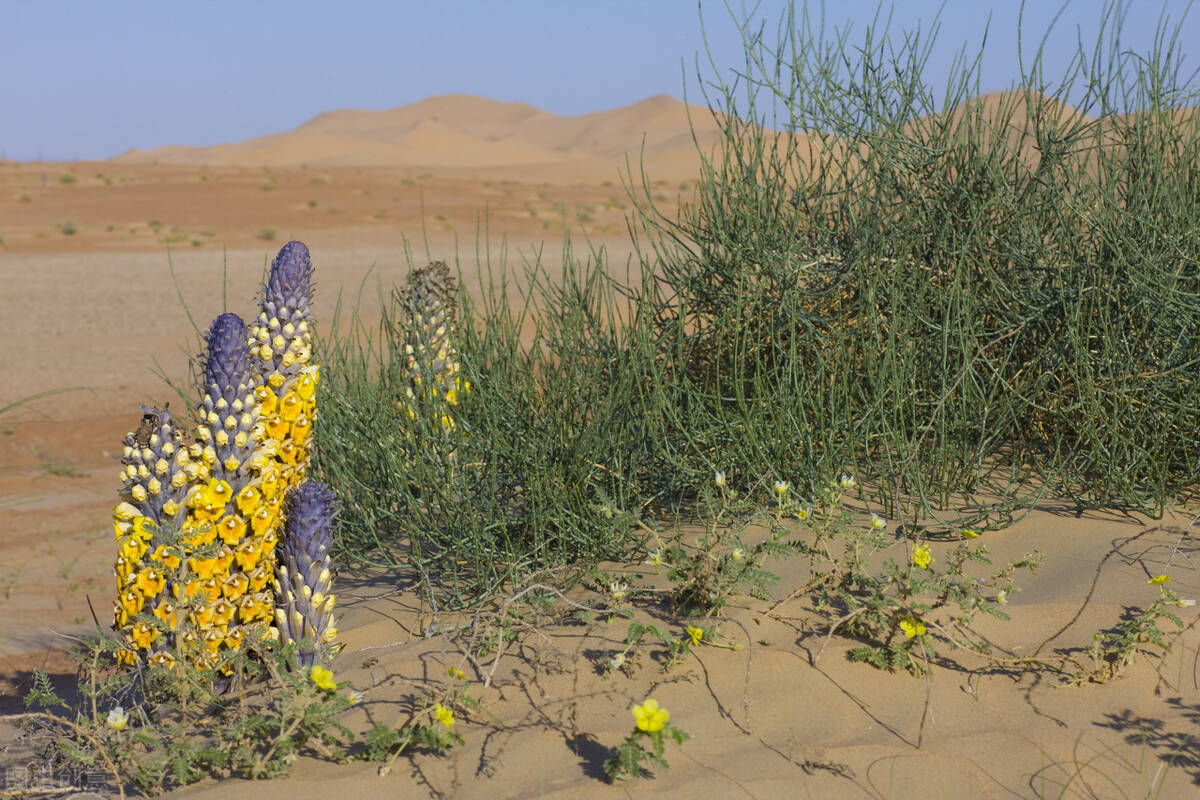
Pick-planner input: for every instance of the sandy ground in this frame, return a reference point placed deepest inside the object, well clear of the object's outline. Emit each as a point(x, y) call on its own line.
point(89, 307)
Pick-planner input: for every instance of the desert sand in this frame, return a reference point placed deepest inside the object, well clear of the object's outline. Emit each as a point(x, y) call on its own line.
point(90, 309)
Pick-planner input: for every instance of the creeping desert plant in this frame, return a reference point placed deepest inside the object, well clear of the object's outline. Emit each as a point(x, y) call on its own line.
point(156, 729)
point(1113, 651)
point(647, 743)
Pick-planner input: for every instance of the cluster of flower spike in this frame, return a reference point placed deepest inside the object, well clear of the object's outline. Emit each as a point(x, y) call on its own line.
point(431, 361)
point(199, 522)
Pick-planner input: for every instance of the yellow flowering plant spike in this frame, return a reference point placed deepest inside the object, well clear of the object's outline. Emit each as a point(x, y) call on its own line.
point(227, 547)
point(281, 345)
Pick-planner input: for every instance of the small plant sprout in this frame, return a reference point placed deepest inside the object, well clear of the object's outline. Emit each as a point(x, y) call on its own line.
point(651, 726)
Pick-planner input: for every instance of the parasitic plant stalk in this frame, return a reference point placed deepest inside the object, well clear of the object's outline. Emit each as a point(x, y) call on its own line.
point(431, 360)
point(281, 342)
point(159, 467)
point(304, 604)
point(231, 530)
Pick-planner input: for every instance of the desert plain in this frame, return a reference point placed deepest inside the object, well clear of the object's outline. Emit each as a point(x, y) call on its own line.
point(107, 268)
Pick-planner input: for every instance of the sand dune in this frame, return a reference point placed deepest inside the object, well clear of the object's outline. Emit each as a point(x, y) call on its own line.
point(460, 131)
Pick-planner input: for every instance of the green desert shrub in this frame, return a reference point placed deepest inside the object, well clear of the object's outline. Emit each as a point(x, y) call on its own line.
point(958, 297)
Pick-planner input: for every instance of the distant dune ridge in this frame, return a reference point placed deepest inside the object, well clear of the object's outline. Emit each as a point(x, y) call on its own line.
point(465, 132)
point(460, 130)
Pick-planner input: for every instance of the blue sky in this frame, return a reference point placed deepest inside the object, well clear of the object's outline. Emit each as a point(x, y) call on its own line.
point(86, 79)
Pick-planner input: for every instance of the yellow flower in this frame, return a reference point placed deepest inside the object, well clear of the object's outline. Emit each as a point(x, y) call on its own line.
point(267, 400)
point(921, 556)
point(117, 719)
point(1159, 580)
point(165, 557)
point(444, 715)
point(142, 636)
point(655, 560)
point(781, 488)
point(878, 523)
point(720, 480)
point(695, 633)
point(802, 514)
point(650, 718)
point(455, 672)
point(323, 678)
point(150, 582)
point(290, 406)
point(912, 627)
point(970, 534)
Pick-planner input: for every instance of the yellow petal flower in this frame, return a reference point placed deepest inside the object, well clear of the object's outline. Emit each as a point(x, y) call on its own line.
point(650, 717)
point(912, 627)
point(921, 556)
point(323, 678)
point(117, 719)
point(695, 633)
point(1159, 580)
point(444, 715)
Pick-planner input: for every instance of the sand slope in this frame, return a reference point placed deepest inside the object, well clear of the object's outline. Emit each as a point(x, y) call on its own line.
point(458, 131)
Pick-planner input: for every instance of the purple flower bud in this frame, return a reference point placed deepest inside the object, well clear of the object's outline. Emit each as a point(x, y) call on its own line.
point(289, 283)
point(156, 469)
point(227, 411)
point(281, 338)
point(303, 603)
point(226, 362)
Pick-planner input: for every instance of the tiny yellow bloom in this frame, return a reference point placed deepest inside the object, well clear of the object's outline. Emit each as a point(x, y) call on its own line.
point(650, 717)
point(444, 715)
point(117, 719)
point(781, 488)
point(878, 523)
point(1159, 580)
point(655, 560)
point(912, 627)
point(695, 633)
point(719, 480)
point(970, 534)
point(323, 678)
point(802, 514)
point(921, 556)
point(737, 554)
point(456, 673)
point(355, 697)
